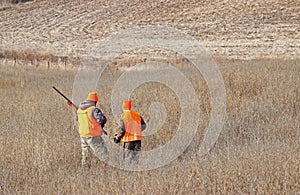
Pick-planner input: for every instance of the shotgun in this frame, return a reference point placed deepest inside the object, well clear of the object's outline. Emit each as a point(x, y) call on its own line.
point(70, 103)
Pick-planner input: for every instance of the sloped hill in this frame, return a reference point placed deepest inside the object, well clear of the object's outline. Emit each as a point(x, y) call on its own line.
point(230, 28)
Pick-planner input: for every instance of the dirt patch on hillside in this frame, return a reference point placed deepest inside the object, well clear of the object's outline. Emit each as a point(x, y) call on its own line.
point(231, 28)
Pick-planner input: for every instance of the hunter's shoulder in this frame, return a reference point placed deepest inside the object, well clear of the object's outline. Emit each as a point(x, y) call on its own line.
point(86, 104)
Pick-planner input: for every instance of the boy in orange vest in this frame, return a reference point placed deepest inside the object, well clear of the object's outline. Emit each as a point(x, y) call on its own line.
point(91, 122)
point(132, 125)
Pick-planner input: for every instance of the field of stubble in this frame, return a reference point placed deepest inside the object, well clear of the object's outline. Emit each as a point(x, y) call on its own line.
point(237, 29)
point(257, 151)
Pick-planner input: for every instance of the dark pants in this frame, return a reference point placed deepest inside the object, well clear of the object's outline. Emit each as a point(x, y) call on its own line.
point(131, 151)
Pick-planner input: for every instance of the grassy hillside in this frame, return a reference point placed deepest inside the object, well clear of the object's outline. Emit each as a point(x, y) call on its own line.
point(257, 151)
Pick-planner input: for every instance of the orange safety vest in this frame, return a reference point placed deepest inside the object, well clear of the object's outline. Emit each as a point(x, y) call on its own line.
point(133, 127)
point(88, 125)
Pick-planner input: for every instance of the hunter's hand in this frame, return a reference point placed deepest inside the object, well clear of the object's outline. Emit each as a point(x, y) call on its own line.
point(116, 139)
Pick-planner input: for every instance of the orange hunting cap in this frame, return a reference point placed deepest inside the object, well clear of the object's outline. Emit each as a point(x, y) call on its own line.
point(92, 96)
point(127, 105)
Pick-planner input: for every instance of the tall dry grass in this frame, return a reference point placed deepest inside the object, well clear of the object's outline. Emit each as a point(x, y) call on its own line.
point(256, 153)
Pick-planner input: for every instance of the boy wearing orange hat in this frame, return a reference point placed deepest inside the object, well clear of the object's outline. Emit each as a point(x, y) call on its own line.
point(91, 122)
point(132, 125)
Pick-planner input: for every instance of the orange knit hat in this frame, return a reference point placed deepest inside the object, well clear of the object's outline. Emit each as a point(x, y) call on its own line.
point(127, 105)
point(92, 97)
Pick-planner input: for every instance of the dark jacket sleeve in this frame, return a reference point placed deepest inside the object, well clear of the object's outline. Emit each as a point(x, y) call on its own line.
point(143, 124)
point(99, 116)
point(122, 130)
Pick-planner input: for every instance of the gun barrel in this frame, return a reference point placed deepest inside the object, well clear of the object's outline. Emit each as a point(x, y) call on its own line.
point(64, 96)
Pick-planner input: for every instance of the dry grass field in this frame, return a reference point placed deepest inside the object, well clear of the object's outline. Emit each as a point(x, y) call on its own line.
point(256, 45)
point(257, 151)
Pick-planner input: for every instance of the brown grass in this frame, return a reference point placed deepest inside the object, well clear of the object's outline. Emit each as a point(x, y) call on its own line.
point(257, 151)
